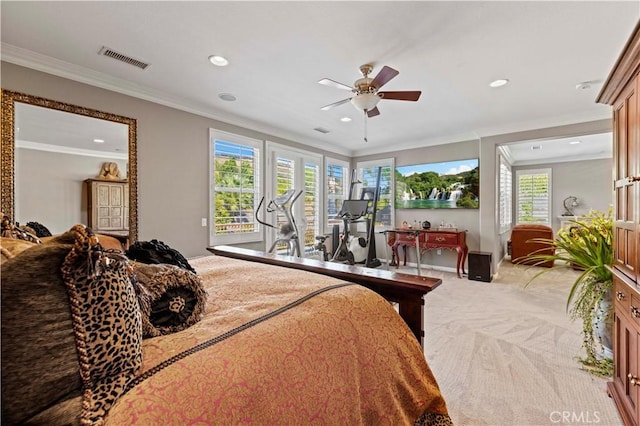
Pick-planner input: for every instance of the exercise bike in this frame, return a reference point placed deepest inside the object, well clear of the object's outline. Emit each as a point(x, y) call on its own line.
point(287, 232)
point(351, 248)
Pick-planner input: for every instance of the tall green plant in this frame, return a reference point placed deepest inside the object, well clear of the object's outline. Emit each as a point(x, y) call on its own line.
point(586, 246)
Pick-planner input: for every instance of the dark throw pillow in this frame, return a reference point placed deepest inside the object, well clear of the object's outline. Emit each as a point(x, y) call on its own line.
point(171, 298)
point(155, 252)
point(40, 229)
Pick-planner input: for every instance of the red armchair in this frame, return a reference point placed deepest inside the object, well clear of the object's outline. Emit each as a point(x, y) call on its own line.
point(521, 245)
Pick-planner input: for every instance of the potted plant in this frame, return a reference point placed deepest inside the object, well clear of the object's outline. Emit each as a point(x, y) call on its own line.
point(587, 247)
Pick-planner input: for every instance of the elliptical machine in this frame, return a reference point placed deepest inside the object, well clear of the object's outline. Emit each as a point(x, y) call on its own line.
point(287, 232)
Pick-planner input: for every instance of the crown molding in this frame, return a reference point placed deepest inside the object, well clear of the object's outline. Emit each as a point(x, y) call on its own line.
point(49, 65)
point(565, 159)
point(68, 150)
point(625, 69)
point(505, 152)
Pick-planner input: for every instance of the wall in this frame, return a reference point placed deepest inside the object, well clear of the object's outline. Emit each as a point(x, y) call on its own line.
point(173, 152)
point(57, 200)
point(590, 181)
point(462, 218)
point(491, 240)
point(173, 161)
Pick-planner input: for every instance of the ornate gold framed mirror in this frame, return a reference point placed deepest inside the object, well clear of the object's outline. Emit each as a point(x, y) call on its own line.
point(8, 150)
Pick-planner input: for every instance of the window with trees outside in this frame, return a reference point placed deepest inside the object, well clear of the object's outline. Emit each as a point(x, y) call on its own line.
point(291, 168)
point(505, 195)
point(235, 188)
point(337, 186)
point(534, 196)
point(368, 174)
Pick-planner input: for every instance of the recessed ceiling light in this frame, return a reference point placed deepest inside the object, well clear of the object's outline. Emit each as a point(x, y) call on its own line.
point(219, 61)
point(574, 142)
point(98, 140)
point(345, 119)
point(499, 83)
point(586, 85)
point(227, 97)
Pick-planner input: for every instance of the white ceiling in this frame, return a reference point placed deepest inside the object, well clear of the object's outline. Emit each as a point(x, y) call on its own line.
point(279, 50)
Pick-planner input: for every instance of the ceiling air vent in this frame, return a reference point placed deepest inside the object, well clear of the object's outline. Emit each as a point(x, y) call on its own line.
point(321, 130)
point(105, 51)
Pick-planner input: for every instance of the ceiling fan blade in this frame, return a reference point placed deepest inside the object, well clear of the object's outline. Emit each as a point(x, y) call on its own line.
point(335, 104)
point(384, 76)
point(401, 96)
point(333, 83)
point(373, 112)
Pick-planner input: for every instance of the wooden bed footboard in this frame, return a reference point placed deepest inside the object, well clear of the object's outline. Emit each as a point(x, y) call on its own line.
point(406, 290)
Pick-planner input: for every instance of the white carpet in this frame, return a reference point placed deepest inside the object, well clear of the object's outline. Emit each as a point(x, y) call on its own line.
point(506, 355)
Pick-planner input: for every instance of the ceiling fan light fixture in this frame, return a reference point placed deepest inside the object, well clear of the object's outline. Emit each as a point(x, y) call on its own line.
point(365, 101)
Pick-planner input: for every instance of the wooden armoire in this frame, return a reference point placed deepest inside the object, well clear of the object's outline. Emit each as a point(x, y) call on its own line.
point(622, 92)
point(107, 204)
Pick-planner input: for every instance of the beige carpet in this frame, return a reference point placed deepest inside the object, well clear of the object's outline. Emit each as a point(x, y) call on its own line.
point(506, 355)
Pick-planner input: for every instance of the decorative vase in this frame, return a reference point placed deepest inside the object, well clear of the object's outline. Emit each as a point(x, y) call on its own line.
point(603, 327)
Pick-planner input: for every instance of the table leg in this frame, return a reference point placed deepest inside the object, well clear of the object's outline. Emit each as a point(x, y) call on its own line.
point(418, 258)
point(459, 261)
point(386, 252)
point(465, 251)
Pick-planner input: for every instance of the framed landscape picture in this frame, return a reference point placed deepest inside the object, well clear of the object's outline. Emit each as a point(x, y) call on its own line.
point(443, 185)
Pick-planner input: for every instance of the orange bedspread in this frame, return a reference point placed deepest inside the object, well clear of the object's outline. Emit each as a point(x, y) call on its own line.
point(341, 357)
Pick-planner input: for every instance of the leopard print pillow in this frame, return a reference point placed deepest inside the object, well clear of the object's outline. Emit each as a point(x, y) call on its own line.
point(106, 320)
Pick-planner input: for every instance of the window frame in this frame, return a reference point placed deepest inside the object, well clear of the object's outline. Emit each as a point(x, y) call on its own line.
point(505, 196)
point(301, 159)
point(248, 237)
point(330, 161)
point(384, 162)
point(532, 172)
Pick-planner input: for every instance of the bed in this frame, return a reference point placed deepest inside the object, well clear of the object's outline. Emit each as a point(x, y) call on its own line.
point(273, 346)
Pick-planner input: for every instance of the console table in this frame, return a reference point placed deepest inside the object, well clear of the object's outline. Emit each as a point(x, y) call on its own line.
point(404, 289)
point(429, 239)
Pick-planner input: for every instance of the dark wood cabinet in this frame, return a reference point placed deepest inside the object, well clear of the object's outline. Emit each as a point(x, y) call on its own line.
point(622, 92)
point(625, 387)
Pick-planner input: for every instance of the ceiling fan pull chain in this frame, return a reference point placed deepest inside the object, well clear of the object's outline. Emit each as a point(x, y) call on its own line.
point(365, 126)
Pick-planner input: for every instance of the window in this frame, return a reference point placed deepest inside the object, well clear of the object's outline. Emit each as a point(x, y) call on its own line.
point(368, 174)
point(291, 168)
point(534, 196)
point(337, 184)
point(505, 195)
point(311, 203)
point(235, 188)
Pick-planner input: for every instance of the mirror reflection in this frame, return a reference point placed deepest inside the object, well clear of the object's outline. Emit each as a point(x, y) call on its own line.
point(70, 165)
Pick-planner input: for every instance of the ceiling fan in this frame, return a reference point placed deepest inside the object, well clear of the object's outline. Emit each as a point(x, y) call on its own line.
point(366, 90)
